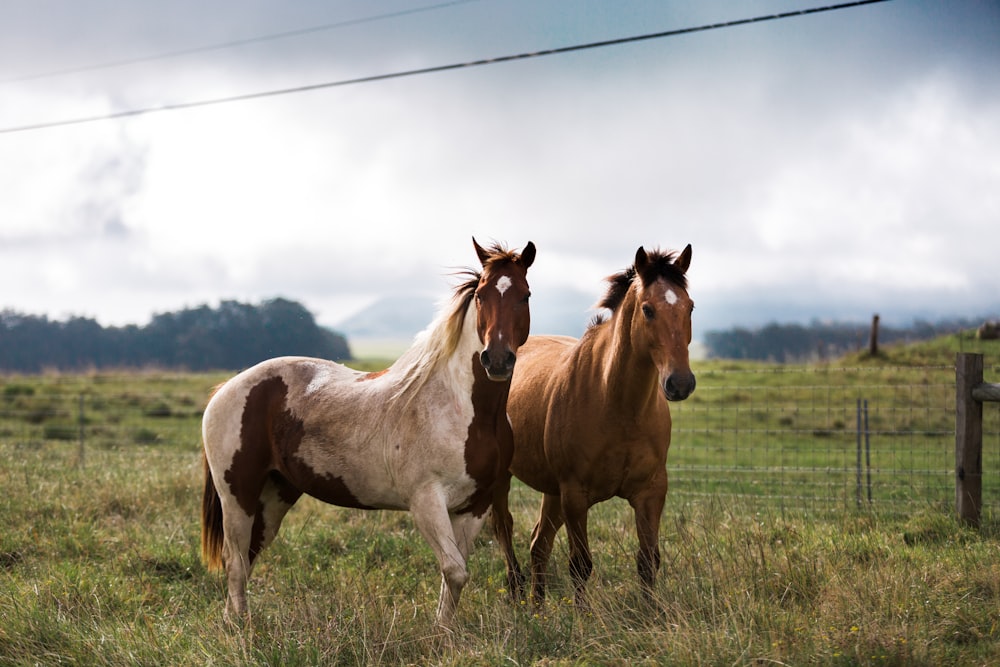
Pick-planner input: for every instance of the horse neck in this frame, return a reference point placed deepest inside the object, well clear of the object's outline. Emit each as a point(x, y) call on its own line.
point(469, 378)
point(438, 353)
point(628, 373)
point(460, 362)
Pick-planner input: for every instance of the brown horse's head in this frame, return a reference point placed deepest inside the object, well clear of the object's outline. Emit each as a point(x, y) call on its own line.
point(661, 319)
point(502, 314)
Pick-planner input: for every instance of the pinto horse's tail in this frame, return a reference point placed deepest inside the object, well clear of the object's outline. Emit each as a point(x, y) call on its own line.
point(211, 522)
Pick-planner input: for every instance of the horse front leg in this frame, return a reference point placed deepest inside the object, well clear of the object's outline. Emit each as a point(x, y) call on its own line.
point(648, 508)
point(503, 529)
point(430, 514)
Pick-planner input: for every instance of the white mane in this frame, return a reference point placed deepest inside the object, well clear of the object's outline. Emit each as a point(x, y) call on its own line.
point(435, 345)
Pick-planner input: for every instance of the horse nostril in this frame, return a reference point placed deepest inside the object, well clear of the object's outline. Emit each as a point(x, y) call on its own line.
point(677, 389)
point(498, 365)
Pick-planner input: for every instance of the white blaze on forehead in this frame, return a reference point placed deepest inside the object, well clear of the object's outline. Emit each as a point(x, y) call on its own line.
point(670, 296)
point(503, 284)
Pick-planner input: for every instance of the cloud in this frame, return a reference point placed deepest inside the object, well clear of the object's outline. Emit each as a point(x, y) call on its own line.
point(822, 165)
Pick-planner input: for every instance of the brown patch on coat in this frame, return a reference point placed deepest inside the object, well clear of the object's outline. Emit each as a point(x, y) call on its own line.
point(270, 437)
point(489, 446)
point(266, 426)
point(372, 375)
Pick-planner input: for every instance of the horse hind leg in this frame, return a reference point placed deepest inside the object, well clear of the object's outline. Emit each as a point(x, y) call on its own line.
point(237, 529)
point(246, 536)
point(543, 535)
point(574, 509)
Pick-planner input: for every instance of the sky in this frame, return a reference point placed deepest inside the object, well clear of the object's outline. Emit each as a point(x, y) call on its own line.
point(823, 167)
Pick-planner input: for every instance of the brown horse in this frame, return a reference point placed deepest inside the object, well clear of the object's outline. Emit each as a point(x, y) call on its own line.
point(591, 419)
point(430, 434)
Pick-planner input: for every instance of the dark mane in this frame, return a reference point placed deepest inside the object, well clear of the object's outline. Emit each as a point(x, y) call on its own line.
point(498, 253)
point(467, 288)
point(660, 265)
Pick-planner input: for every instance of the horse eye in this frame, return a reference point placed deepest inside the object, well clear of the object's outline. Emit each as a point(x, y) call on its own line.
point(647, 311)
point(526, 297)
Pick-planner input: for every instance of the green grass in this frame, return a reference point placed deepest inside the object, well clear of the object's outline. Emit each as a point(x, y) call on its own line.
point(788, 436)
point(99, 559)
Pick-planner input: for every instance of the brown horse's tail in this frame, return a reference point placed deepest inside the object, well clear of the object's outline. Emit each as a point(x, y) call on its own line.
point(211, 522)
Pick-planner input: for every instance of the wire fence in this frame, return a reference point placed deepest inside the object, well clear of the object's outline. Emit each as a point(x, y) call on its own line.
point(826, 440)
point(819, 440)
point(74, 414)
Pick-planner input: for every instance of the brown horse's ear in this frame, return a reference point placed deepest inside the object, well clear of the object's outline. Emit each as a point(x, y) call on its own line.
point(641, 260)
point(528, 255)
point(684, 260)
point(481, 252)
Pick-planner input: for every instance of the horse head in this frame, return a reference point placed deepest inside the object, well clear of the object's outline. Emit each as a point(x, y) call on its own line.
point(502, 314)
point(661, 322)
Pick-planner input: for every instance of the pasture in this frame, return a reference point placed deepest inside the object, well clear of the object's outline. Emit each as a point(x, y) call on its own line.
point(768, 557)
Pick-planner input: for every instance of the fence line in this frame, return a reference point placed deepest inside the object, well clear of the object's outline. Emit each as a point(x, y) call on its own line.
point(778, 437)
point(781, 437)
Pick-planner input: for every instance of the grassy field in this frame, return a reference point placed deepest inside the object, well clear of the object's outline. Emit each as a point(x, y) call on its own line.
point(99, 559)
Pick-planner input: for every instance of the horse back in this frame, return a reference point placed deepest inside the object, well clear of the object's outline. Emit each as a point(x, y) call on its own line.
point(262, 422)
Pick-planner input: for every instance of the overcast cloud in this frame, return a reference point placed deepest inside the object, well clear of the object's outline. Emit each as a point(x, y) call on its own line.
point(829, 166)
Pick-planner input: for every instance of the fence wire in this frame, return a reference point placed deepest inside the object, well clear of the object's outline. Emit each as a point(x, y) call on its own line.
point(819, 440)
point(825, 440)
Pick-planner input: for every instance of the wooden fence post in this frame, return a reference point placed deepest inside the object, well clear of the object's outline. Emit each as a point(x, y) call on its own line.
point(873, 338)
point(968, 437)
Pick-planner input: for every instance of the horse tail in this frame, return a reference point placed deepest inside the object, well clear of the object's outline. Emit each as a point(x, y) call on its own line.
point(211, 522)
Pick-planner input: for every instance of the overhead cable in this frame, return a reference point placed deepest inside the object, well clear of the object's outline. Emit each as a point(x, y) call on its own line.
point(231, 44)
point(129, 113)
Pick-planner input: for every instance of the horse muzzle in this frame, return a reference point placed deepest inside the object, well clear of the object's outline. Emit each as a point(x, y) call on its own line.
point(499, 364)
point(678, 386)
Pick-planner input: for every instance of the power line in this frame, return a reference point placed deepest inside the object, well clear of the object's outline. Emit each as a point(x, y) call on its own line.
point(429, 70)
point(231, 44)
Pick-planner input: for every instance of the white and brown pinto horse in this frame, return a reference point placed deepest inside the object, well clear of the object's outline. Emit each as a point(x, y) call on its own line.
point(591, 419)
point(429, 434)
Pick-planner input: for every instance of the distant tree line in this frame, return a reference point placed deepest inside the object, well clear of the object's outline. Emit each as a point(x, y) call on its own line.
point(788, 343)
point(231, 337)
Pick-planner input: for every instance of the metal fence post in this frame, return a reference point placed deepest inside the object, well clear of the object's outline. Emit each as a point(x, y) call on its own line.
point(857, 487)
point(81, 420)
point(868, 454)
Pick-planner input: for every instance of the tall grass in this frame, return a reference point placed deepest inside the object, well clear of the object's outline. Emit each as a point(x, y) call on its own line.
point(99, 565)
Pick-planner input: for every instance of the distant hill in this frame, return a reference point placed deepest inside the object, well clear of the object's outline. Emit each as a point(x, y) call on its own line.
point(397, 319)
point(391, 317)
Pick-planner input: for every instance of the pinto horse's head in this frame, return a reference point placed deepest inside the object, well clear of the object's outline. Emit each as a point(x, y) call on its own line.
point(502, 314)
point(661, 321)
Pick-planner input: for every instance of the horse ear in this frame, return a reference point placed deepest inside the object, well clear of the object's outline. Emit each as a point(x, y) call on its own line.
point(528, 255)
point(481, 252)
point(684, 260)
point(641, 260)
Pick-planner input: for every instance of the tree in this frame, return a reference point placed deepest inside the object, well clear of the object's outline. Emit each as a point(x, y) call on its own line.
point(233, 336)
